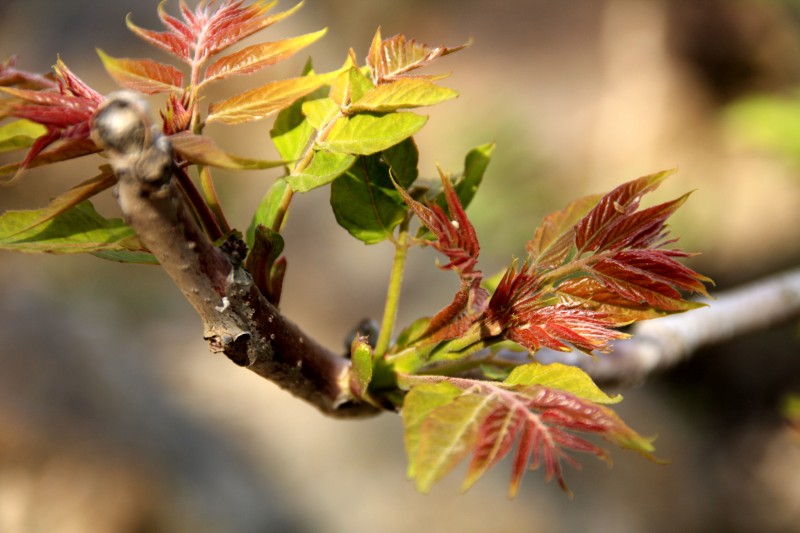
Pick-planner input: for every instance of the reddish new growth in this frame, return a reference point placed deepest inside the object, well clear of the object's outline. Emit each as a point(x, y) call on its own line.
point(64, 107)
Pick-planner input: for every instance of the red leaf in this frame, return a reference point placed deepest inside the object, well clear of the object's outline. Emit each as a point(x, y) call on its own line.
point(65, 113)
point(455, 238)
point(142, 75)
point(593, 229)
point(176, 42)
point(393, 57)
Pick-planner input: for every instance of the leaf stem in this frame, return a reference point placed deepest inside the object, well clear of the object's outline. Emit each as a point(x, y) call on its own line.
point(393, 292)
point(212, 199)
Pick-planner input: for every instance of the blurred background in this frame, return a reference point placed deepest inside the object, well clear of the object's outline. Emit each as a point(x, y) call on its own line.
point(115, 417)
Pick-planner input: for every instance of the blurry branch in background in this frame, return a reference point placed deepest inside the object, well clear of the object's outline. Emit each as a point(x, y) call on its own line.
point(237, 319)
point(665, 342)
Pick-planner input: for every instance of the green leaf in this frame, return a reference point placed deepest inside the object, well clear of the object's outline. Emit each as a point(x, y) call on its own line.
point(78, 230)
point(268, 208)
point(475, 164)
point(320, 112)
point(412, 332)
point(418, 404)
point(291, 132)
point(446, 436)
point(558, 376)
point(367, 134)
point(202, 150)
point(350, 86)
point(142, 75)
point(266, 100)
point(257, 56)
point(19, 134)
point(365, 202)
point(73, 197)
point(361, 355)
point(403, 160)
point(404, 93)
point(323, 169)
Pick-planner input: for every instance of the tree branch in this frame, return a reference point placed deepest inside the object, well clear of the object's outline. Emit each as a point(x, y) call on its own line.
point(664, 342)
point(238, 321)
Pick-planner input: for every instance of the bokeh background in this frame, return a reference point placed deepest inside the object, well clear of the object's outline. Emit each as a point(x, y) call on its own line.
point(114, 416)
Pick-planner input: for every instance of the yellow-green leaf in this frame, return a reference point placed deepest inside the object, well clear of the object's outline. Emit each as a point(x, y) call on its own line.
point(320, 112)
point(418, 403)
point(558, 376)
point(258, 56)
point(323, 169)
point(19, 134)
point(142, 75)
point(367, 134)
point(266, 100)
point(404, 93)
point(78, 230)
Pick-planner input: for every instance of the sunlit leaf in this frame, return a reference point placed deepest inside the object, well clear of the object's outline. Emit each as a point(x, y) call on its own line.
point(19, 134)
point(323, 169)
point(268, 209)
point(367, 134)
point(350, 86)
point(255, 57)
point(320, 112)
point(405, 93)
point(475, 164)
point(570, 379)
point(266, 100)
point(202, 150)
point(72, 197)
point(393, 57)
point(556, 235)
point(142, 75)
point(291, 132)
point(78, 230)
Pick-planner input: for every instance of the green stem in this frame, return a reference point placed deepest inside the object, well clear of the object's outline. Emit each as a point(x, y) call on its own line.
point(393, 292)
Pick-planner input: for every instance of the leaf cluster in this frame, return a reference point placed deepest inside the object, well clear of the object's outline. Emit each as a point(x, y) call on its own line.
point(598, 264)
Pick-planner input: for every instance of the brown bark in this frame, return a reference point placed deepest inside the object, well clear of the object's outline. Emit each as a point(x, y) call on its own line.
point(238, 321)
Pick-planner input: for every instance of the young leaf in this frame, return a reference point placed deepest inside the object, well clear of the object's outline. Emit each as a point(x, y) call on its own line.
point(475, 164)
point(65, 113)
point(449, 418)
point(255, 57)
point(266, 247)
point(405, 93)
point(567, 378)
point(323, 169)
point(593, 230)
point(350, 86)
point(391, 58)
point(209, 29)
point(142, 75)
point(202, 150)
point(268, 209)
point(446, 436)
point(266, 100)
point(71, 198)
point(320, 112)
point(79, 229)
point(19, 134)
point(291, 132)
point(361, 355)
point(367, 134)
point(364, 201)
